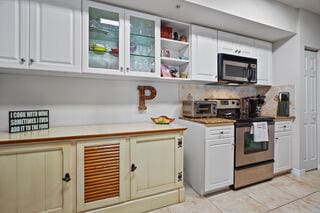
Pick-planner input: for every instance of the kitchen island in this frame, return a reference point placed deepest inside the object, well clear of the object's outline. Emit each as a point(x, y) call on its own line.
point(115, 167)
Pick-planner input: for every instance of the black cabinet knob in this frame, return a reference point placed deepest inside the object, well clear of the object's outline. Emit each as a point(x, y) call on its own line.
point(66, 177)
point(133, 167)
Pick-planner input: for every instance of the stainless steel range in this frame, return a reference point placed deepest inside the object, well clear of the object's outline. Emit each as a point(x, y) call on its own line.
point(253, 160)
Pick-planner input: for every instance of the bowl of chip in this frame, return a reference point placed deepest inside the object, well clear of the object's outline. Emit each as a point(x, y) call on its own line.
point(162, 120)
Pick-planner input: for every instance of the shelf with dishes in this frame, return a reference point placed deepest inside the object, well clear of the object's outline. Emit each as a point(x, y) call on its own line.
point(174, 44)
point(173, 61)
point(174, 50)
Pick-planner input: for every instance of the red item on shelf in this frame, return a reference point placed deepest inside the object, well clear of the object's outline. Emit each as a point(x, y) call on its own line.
point(166, 32)
point(114, 50)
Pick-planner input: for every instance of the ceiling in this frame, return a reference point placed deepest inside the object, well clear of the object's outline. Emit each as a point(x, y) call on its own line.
point(200, 15)
point(311, 5)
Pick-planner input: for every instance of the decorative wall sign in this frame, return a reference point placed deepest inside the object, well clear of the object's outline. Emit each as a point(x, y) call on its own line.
point(143, 97)
point(22, 121)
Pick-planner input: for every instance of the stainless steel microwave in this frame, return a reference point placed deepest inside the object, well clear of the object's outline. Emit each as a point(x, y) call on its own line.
point(237, 69)
point(199, 109)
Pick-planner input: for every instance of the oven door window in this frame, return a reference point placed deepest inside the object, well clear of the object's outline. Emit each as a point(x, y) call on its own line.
point(252, 147)
point(203, 108)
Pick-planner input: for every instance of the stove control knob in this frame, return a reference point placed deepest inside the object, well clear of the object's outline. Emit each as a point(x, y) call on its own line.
point(238, 104)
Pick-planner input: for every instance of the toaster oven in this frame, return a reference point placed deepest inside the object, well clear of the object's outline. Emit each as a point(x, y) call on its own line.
point(199, 109)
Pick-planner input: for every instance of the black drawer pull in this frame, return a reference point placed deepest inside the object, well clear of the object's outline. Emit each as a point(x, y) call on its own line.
point(66, 177)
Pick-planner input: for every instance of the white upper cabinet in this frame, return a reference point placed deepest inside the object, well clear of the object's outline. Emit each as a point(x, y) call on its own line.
point(14, 33)
point(204, 53)
point(142, 44)
point(55, 35)
point(264, 56)
point(118, 41)
point(40, 34)
point(235, 45)
point(103, 38)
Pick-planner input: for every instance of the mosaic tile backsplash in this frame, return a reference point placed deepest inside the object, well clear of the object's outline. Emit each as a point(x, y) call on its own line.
point(271, 105)
point(199, 92)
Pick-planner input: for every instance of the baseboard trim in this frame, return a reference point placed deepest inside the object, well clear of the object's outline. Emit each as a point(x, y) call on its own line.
point(298, 172)
point(146, 203)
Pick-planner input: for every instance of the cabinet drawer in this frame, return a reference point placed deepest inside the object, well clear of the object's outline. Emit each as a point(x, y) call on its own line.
point(213, 142)
point(283, 126)
point(220, 132)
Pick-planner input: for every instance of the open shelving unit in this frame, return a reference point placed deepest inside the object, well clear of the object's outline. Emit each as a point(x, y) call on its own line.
point(173, 61)
point(176, 48)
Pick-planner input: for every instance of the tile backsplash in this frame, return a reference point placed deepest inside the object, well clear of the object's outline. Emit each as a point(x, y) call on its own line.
point(199, 92)
point(270, 107)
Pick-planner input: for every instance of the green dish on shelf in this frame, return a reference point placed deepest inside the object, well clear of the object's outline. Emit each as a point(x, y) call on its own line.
point(99, 50)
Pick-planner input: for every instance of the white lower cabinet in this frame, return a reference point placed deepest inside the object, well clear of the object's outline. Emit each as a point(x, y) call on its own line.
point(208, 156)
point(219, 163)
point(283, 147)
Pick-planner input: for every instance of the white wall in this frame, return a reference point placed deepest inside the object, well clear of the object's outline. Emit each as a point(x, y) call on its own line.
point(309, 30)
point(76, 101)
point(288, 65)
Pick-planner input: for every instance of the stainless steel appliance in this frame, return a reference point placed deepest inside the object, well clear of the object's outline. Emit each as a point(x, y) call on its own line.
point(199, 109)
point(237, 69)
point(251, 106)
point(253, 160)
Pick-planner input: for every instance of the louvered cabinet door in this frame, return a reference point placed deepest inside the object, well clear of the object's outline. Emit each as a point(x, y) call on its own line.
point(103, 173)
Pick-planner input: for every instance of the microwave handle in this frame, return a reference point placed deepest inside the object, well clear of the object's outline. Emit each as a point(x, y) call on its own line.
point(249, 73)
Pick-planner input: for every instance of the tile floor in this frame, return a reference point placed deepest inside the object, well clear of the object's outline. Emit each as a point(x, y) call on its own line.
point(285, 193)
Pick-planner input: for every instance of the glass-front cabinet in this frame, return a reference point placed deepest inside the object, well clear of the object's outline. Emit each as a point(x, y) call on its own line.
point(142, 43)
point(103, 34)
point(119, 41)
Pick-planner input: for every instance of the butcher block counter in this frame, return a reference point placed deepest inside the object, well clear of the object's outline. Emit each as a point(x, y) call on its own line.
point(210, 121)
point(89, 131)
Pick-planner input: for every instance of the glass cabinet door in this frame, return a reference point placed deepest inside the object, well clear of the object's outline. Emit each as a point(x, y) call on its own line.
point(103, 34)
point(142, 44)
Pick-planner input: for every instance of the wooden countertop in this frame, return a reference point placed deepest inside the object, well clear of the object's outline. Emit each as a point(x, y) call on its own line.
point(283, 118)
point(211, 121)
point(90, 131)
point(280, 118)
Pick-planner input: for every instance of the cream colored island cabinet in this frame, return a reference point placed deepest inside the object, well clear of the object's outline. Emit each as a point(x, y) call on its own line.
point(36, 178)
point(156, 164)
point(112, 171)
point(105, 168)
point(103, 173)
